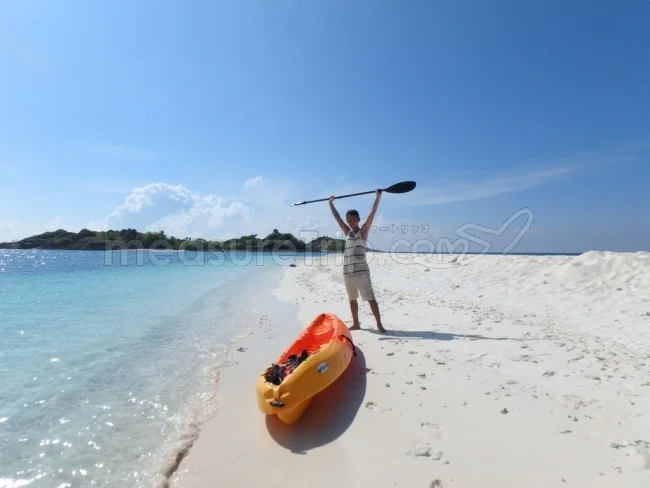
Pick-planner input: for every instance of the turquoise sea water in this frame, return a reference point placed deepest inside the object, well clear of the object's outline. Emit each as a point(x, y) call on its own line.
point(108, 361)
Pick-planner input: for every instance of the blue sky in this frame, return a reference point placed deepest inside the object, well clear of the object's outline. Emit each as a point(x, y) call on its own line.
point(210, 118)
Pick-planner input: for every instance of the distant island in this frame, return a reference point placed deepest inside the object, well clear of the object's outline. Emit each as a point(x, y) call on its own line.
point(127, 239)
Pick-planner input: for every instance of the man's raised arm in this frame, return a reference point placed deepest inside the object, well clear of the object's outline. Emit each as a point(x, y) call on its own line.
point(344, 227)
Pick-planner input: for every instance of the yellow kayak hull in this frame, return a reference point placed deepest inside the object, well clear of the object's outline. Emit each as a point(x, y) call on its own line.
point(328, 343)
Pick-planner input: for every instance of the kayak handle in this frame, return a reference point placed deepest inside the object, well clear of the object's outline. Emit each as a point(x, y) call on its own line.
point(354, 349)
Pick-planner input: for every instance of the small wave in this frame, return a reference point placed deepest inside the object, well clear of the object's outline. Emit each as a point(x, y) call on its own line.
point(190, 433)
point(174, 459)
point(13, 483)
point(204, 405)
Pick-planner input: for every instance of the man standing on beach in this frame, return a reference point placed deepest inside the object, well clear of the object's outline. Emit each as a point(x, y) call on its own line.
point(356, 272)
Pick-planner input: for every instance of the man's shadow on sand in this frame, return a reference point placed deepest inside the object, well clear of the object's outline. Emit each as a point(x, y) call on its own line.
point(330, 414)
point(439, 336)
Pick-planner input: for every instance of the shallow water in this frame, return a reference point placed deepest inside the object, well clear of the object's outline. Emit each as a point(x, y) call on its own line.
point(108, 362)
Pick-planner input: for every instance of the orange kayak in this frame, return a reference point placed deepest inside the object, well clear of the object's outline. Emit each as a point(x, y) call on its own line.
point(316, 358)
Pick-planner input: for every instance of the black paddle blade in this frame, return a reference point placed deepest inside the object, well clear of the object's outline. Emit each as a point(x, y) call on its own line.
point(401, 187)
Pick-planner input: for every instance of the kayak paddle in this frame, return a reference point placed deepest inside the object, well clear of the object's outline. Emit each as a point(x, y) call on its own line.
point(401, 187)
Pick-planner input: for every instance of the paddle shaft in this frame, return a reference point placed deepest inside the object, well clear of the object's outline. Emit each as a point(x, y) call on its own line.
point(342, 196)
point(403, 187)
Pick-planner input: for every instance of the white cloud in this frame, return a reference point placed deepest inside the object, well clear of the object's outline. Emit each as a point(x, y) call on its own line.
point(96, 225)
point(466, 191)
point(175, 209)
point(205, 214)
point(254, 182)
point(59, 222)
point(462, 191)
point(255, 209)
point(56, 223)
point(143, 196)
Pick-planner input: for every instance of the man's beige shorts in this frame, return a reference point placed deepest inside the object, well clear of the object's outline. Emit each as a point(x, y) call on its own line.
point(359, 284)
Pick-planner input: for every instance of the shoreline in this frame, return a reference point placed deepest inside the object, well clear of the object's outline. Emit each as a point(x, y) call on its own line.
point(487, 377)
point(299, 252)
point(248, 354)
point(244, 319)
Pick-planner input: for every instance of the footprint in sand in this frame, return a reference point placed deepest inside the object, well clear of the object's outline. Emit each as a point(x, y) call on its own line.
point(435, 429)
point(374, 406)
point(424, 449)
point(527, 358)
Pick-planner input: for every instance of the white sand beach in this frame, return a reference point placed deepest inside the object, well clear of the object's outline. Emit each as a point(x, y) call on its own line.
point(497, 371)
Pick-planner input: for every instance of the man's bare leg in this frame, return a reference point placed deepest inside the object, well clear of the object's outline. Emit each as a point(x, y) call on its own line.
point(354, 308)
point(375, 311)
